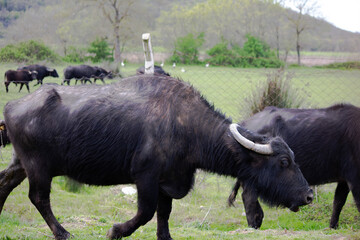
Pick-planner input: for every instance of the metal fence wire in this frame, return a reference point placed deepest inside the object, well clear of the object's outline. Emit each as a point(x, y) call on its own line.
point(231, 89)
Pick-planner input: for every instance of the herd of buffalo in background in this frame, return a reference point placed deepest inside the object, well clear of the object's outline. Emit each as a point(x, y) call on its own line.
point(83, 73)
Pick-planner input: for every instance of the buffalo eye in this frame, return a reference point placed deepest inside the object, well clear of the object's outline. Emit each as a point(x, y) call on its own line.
point(284, 162)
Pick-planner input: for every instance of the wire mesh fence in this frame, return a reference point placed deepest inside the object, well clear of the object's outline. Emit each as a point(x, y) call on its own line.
point(229, 89)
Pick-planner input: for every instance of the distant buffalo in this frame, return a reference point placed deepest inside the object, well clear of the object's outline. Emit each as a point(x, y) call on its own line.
point(42, 72)
point(101, 73)
point(157, 70)
point(84, 73)
point(23, 77)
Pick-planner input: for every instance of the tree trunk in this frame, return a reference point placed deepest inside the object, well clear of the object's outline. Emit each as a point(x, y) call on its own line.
point(117, 53)
point(298, 47)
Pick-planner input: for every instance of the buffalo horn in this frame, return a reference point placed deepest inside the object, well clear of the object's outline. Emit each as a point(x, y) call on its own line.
point(256, 147)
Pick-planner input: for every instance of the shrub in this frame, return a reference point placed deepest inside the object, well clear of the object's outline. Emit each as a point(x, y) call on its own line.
point(187, 49)
point(30, 51)
point(221, 55)
point(70, 185)
point(75, 55)
point(100, 50)
point(255, 53)
point(276, 91)
point(10, 53)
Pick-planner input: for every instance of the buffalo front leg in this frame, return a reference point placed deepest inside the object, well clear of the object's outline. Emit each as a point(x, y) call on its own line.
point(21, 85)
point(341, 193)
point(254, 212)
point(7, 86)
point(163, 214)
point(147, 202)
point(10, 178)
point(39, 195)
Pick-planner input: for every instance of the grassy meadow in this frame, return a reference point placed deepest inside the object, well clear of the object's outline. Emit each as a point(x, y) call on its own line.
point(203, 213)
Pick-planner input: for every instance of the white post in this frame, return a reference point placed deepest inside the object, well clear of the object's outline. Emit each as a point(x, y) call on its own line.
point(149, 58)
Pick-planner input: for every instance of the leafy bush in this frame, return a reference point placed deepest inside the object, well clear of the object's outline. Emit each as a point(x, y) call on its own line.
point(276, 91)
point(187, 49)
point(10, 53)
point(75, 55)
point(255, 53)
point(100, 50)
point(70, 185)
point(30, 51)
point(222, 55)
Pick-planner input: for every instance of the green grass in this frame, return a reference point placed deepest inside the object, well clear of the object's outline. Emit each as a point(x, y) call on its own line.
point(203, 213)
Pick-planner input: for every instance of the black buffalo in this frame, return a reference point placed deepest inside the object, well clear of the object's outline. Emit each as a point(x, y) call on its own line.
point(19, 76)
point(326, 143)
point(157, 70)
point(154, 131)
point(84, 73)
point(42, 72)
point(101, 73)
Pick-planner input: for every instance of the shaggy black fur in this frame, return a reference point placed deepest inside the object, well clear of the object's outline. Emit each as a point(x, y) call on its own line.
point(154, 131)
point(326, 143)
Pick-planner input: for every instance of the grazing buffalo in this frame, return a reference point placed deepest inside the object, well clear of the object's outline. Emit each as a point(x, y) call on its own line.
point(326, 143)
point(151, 130)
point(84, 73)
point(19, 76)
point(42, 71)
point(157, 70)
point(101, 74)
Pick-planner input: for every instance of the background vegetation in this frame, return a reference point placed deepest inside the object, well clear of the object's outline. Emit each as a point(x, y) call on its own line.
point(76, 24)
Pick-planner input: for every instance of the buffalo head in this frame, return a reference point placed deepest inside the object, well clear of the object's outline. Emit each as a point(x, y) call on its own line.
point(52, 72)
point(274, 175)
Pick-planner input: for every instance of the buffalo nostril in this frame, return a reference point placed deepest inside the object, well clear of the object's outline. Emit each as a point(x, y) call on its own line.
point(309, 197)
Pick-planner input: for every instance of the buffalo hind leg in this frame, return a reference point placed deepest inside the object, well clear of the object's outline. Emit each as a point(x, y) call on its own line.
point(147, 202)
point(254, 212)
point(341, 193)
point(10, 178)
point(39, 195)
point(163, 214)
point(355, 190)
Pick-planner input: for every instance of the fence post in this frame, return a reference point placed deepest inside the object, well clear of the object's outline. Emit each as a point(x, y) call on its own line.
point(149, 58)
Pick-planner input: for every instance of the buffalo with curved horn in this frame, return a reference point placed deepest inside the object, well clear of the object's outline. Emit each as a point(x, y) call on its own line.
point(151, 130)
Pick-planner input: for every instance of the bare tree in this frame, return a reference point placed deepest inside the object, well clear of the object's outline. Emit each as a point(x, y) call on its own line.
point(300, 20)
point(116, 11)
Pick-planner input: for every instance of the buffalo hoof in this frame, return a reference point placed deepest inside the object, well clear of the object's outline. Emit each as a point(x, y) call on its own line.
point(115, 232)
point(63, 236)
point(334, 225)
point(164, 237)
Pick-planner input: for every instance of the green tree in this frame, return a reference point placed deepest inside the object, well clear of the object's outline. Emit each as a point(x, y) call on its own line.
point(187, 49)
point(221, 55)
point(257, 53)
point(100, 50)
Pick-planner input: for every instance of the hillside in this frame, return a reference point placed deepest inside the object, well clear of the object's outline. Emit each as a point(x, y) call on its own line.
point(64, 23)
